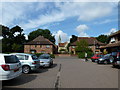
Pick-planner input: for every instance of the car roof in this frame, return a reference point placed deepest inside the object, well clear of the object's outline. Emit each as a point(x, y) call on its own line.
point(22, 53)
point(45, 55)
point(4, 54)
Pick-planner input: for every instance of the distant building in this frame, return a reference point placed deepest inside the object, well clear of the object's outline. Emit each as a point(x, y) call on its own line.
point(40, 45)
point(93, 43)
point(114, 43)
point(62, 47)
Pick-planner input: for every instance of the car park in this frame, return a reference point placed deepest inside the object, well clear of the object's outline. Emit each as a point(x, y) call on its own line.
point(45, 60)
point(95, 57)
point(115, 57)
point(29, 62)
point(10, 67)
point(105, 59)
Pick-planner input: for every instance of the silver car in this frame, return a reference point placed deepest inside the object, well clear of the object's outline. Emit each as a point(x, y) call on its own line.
point(29, 62)
point(45, 60)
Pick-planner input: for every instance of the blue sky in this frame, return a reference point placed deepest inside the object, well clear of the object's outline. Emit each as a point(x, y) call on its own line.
point(84, 19)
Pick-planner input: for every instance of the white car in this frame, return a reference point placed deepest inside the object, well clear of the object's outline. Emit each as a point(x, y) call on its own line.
point(10, 67)
point(45, 60)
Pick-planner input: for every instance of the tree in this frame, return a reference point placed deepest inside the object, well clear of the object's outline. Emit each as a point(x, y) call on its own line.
point(82, 47)
point(73, 39)
point(46, 33)
point(102, 38)
point(13, 39)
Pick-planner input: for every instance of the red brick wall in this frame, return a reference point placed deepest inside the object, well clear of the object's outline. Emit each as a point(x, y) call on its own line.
point(38, 48)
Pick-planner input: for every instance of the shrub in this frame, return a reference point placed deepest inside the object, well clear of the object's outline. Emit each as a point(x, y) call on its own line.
point(52, 55)
point(82, 54)
point(38, 54)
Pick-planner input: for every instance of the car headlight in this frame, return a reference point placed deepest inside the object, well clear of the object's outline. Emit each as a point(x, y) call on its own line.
point(100, 59)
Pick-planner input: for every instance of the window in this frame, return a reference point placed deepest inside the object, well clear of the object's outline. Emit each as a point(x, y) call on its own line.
point(35, 45)
point(11, 59)
point(73, 46)
point(34, 57)
point(40, 46)
point(47, 46)
point(21, 57)
point(26, 57)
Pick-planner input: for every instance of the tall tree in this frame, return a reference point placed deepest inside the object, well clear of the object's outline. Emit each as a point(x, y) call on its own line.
point(102, 38)
point(13, 39)
point(46, 33)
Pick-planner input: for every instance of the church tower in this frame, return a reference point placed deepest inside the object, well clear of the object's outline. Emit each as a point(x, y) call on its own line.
point(59, 39)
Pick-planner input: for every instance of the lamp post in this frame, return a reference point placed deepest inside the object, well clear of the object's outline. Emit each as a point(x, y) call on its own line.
point(94, 47)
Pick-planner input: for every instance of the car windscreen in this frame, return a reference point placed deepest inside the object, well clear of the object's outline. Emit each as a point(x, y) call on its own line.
point(44, 57)
point(99, 55)
point(114, 53)
point(11, 59)
point(34, 57)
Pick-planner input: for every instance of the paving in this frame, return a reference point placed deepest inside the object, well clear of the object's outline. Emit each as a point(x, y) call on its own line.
point(68, 72)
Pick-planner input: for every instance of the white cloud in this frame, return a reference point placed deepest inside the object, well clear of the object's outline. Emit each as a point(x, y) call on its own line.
point(85, 11)
point(43, 20)
point(81, 30)
point(64, 36)
point(26, 37)
point(106, 21)
point(111, 31)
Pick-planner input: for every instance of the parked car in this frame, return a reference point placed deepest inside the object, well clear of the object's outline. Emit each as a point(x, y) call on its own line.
point(105, 59)
point(10, 67)
point(45, 60)
point(29, 62)
point(115, 57)
point(95, 57)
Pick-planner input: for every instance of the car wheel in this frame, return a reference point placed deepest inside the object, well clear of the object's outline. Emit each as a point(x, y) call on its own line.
point(26, 69)
point(105, 62)
point(111, 59)
point(98, 62)
point(114, 66)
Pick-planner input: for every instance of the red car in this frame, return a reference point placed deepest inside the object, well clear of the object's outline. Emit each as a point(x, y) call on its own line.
point(96, 57)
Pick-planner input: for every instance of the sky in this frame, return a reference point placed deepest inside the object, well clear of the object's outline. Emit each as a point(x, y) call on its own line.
point(83, 19)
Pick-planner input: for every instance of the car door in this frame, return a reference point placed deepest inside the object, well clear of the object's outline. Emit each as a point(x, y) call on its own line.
point(21, 58)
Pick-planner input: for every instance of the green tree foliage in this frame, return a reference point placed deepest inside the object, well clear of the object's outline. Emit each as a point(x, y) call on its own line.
point(46, 33)
point(13, 39)
point(102, 38)
point(83, 47)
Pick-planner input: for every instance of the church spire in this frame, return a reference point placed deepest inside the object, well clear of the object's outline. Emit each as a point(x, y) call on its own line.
point(59, 39)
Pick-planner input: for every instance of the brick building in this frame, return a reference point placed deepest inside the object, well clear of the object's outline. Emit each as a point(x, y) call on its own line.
point(93, 43)
point(114, 43)
point(40, 45)
point(62, 47)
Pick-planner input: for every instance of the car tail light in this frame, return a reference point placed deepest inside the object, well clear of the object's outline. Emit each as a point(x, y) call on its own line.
point(35, 62)
point(118, 54)
point(5, 67)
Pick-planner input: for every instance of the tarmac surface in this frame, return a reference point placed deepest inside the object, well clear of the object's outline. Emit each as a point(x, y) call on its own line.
point(68, 72)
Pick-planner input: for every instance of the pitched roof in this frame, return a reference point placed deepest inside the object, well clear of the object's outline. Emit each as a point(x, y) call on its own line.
point(40, 40)
point(116, 33)
point(90, 40)
point(62, 44)
point(112, 45)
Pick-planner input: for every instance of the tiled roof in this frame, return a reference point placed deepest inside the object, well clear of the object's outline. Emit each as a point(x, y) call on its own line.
point(62, 44)
point(90, 40)
point(116, 33)
point(112, 45)
point(40, 40)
